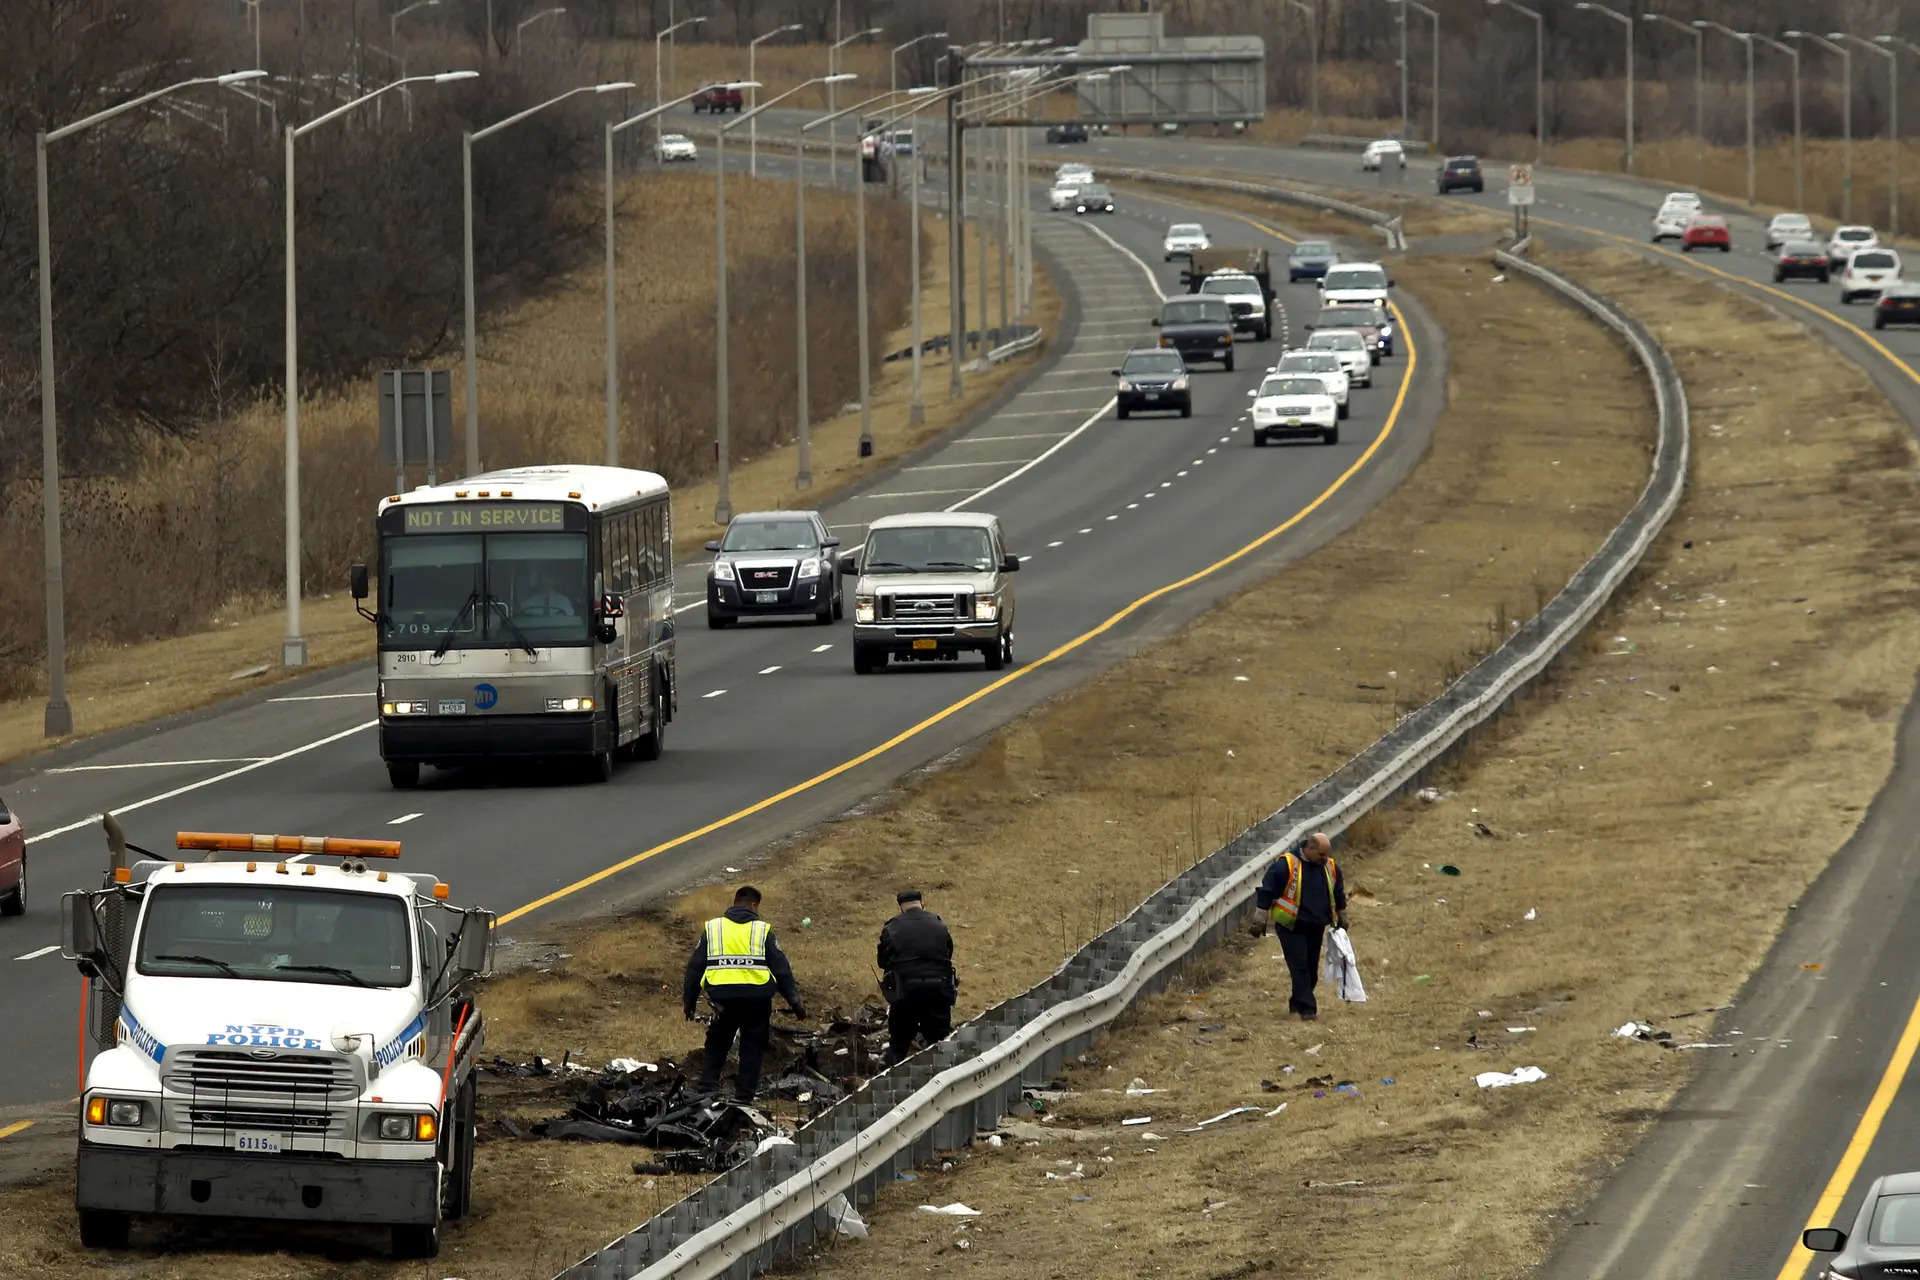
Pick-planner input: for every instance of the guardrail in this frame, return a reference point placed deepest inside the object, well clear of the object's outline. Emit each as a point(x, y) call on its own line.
point(771, 1206)
point(1025, 342)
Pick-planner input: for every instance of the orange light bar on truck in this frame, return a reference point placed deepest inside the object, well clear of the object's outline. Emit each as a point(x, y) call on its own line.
point(339, 846)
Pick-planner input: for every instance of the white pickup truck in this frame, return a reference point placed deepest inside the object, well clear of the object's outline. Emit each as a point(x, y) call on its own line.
point(279, 1038)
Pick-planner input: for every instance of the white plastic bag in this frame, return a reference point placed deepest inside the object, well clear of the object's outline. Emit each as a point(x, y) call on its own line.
point(1341, 970)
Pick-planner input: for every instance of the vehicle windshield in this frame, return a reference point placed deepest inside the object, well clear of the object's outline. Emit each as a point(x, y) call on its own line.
point(929, 549)
point(1896, 1221)
point(1313, 249)
point(770, 535)
point(1185, 230)
point(1874, 261)
point(675, 137)
point(1853, 233)
point(1788, 221)
point(1195, 311)
point(1356, 278)
point(276, 933)
point(1293, 387)
point(1095, 190)
point(1461, 165)
point(1309, 363)
point(1154, 362)
point(1799, 249)
point(1339, 318)
point(1345, 340)
point(1383, 146)
point(1229, 284)
point(494, 590)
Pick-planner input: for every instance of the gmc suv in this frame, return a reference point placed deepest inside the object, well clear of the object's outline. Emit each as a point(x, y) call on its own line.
point(931, 586)
point(1461, 173)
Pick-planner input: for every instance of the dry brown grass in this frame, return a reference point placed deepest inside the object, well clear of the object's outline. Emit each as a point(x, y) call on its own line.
point(1125, 781)
point(1737, 708)
point(541, 384)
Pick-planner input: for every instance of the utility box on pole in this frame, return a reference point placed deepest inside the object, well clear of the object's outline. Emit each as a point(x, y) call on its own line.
point(416, 420)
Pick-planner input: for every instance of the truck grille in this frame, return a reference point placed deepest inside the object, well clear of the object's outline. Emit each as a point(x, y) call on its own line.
point(1241, 308)
point(314, 1124)
point(926, 607)
point(204, 1074)
point(766, 577)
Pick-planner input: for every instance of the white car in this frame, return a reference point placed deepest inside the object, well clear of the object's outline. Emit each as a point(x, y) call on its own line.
point(1324, 365)
point(1868, 272)
point(1686, 198)
point(1384, 152)
point(1293, 407)
point(1848, 241)
point(1355, 282)
point(1184, 238)
point(1350, 347)
point(1076, 173)
point(675, 146)
point(1788, 226)
point(1245, 299)
point(1670, 223)
point(1062, 195)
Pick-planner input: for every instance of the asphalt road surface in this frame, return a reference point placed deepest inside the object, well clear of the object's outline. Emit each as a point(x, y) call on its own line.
point(775, 731)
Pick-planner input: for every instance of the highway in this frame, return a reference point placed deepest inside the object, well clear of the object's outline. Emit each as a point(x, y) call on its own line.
point(775, 731)
point(1789, 1130)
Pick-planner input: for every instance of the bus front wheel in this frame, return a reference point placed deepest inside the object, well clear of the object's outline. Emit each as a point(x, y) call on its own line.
point(649, 745)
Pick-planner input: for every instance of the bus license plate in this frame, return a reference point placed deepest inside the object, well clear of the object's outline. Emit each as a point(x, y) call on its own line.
point(457, 707)
point(767, 597)
point(259, 1143)
point(926, 642)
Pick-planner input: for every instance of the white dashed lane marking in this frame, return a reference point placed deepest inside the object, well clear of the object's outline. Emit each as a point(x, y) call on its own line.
point(405, 818)
point(767, 671)
point(35, 955)
point(821, 648)
point(713, 693)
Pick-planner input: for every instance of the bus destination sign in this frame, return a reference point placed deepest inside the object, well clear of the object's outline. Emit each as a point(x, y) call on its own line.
point(462, 517)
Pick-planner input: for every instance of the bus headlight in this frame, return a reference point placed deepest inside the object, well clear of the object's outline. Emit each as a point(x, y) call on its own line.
point(403, 708)
point(863, 608)
point(723, 571)
point(569, 704)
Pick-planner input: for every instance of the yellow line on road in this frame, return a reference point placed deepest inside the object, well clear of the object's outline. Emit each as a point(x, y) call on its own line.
point(7, 1131)
point(953, 709)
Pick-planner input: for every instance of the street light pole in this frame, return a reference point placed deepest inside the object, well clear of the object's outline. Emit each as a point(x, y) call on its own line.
point(611, 452)
point(660, 35)
point(1799, 192)
point(293, 647)
point(1745, 38)
point(1434, 17)
point(1625, 20)
point(518, 39)
point(753, 103)
point(1313, 62)
point(1846, 115)
point(58, 718)
point(833, 94)
point(1893, 126)
point(1539, 76)
point(467, 139)
point(1694, 29)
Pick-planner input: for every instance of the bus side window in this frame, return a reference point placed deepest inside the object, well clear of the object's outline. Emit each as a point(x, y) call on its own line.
point(606, 556)
point(656, 550)
point(625, 526)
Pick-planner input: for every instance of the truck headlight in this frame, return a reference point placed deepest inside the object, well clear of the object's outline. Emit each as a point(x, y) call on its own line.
point(723, 570)
point(121, 1113)
point(986, 607)
point(407, 1126)
point(124, 1113)
point(863, 608)
point(569, 704)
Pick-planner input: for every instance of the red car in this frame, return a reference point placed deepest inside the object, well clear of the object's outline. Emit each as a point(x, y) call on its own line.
point(718, 98)
point(13, 863)
point(1706, 231)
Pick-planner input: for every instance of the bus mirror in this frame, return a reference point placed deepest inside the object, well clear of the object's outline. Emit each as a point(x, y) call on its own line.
point(357, 581)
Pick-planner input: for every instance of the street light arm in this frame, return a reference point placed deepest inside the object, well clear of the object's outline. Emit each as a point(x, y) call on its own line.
point(1622, 18)
point(777, 99)
point(665, 32)
point(651, 112)
point(1517, 8)
point(861, 106)
point(859, 35)
point(518, 116)
point(777, 31)
point(1868, 45)
point(98, 117)
point(442, 78)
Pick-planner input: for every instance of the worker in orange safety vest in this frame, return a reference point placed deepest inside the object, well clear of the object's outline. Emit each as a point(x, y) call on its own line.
point(1302, 893)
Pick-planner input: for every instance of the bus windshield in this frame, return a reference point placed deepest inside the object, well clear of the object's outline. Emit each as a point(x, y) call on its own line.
point(493, 590)
point(276, 933)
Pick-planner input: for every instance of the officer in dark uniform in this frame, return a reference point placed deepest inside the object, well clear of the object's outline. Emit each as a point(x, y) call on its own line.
point(916, 964)
point(1303, 893)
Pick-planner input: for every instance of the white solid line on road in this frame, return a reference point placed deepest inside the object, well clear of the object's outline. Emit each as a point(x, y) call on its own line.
point(861, 524)
point(913, 493)
point(1032, 435)
point(821, 648)
point(962, 466)
point(713, 694)
point(405, 818)
point(35, 955)
point(1153, 281)
point(767, 671)
point(695, 605)
point(207, 782)
point(320, 697)
point(1032, 413)
point(152, 764)
point(1063, 391)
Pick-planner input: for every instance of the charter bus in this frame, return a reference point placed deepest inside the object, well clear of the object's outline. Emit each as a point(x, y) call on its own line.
point(524, 614)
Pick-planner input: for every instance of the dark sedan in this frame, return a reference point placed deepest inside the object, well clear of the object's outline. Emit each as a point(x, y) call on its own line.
point(1198, 328)
point(1151, 380)
point(772, 563)
point(1460, 173)
point(1797, 258)
point(1374, 323)
point(1310, 260)
point(1898, 304)
point(1885, 1240)
point(1093, 198)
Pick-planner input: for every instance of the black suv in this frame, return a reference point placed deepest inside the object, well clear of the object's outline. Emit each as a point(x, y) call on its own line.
point(1197, 327)
point(1152, 379)
point(1461, 173)
point(1071, 132)
point(770, 563)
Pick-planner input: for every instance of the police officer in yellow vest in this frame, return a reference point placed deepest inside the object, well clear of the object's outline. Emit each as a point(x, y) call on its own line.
point(1302, 894)
point(739, 966)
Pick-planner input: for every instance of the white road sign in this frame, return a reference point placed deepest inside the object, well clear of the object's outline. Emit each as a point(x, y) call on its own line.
point(1518, 196)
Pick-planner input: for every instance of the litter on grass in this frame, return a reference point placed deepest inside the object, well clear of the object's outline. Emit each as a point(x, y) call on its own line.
point(1138, 1120)
point(844, 1219)
point(1501, 1079)
point(1224, 1115)
point(954, 1210)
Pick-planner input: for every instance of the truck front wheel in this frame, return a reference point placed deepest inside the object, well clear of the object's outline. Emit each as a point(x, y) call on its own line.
point(416, 1240)
point(457, 1195)
point(104, 1228)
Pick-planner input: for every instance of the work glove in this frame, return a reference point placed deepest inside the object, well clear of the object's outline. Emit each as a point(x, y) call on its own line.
point(1255, 930)
point(689, 1012)
point(797, 1010)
